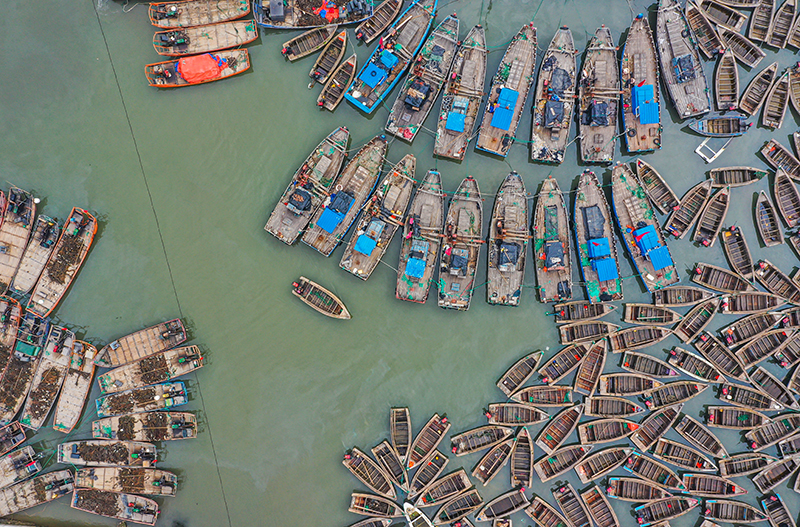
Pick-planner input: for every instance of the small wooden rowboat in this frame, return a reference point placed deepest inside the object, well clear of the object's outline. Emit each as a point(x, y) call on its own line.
point(571, 505)
point(309, 42)
point(732, 511)
point(479, 439)
point(721, 126)
point(726, 82)
point(775, 473)
point(382, 16)
point(494, 460)
point(680, 296)
point(719, 279)
point(707, 39)
point(597, 465)
point(776, 282)
point(737, 252)
point(711, 486)
point(735, 176)
point(755, 93)
point(663, 509)
point(555, 464)
point(772, 431)
point(458, 507)
point(205, 39)
point(591, 368)
point(391, 464)
point(550, 395)
point(696, 320)
point(655, 426)
point(781, 24)
point(443, 489)
point(757, 349)
point(333, 91)
point(197, 69)
point(192, 13)
point(562, 363)
point(635, 489)
point(320, 299)
point(515, 414)
point(425, 476)
point(734, 418)
point(585, 331)
point(710, 222)
point(744, 464)
point(776, 102)
point(682, 218)
point(120, 506)
point(328, 60)
point(609, 406)
point(747, 397)
point(543, 514)
point(142, 343)
point(581, 310)
point(745, 51)
point(522, 460)
point(605, 430)
point(767, 221)
point(719, 355)
point(427, 440)
point(694, 365)
point(777, 511)
point(650, 315)
point(626, 384)
point(761, 19)
point(400, 428)
point(646, 364)
point(518, 374)
point(502, 506)
point(559, 429)
point(787, 199)
point(778, 156)
point(372, 505)
point(653, 471)
point(661, 195)
point(794, 88)
point(682, 456)
point(700, 436)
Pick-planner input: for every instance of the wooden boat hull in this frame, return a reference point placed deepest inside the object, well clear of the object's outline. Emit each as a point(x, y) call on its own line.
point(461, 248)
point(745, 51)
point(382, 16)
point(778, 156)
point(76, 388)
point(661, 195)
point(776, 102)
point(737, 252)
point(26, 494)
point(518, 374)
point(41, 245)
point(400, 428)
point(721, 126)
point(680, 296)
point(753, 96)
point(694, 365)
point(640, 136)
point(103, 453)
point(192, 13)
point(130, 507)
point(700, 436)
point(711, 219)
point(142, 343)
point(329, 58)
point(719, 279)
point(682, 218)
point(552, 250)
point(333, 91)
point(761, 20)
point(148, 481)
point(197, 69)
point(156, 368)
point(205, 39)
point(726, 82)
point(595, 466)
point(508, 243)
point(707, 39)
point(427, 440)
point(294, 16)
point(598, 99)
point(149, 426)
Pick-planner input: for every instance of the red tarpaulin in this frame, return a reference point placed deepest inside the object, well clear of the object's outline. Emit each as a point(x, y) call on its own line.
point(200, 68)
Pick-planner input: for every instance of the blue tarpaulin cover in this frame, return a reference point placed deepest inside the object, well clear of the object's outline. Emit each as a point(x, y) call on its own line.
point(365, 245)
point(644, 104)
point(415, 267)
point(598, 248)
point(646, 239)
point(455, 122)
point(504, 112)
point(329, 220)
point(660, 258)
point(606, 269)
point(372, 75)
point(389, 59)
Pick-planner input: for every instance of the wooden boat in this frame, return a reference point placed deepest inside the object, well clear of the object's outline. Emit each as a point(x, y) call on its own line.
point(515, 414)
point(328, 60)
point(121, 506)
point(787, 199)
point(735, 176)
point(427, 440)
point(707, 39)
point(18, 465)
point(195, 12)
point(641, 114)
point(681, 68)
point(682, 456)
point(719, 279)
point(595, 241)
point(461, 248)
point(507, 93)
point(508, 243)
point(562, 363)
point(36, 491)
point(649, 315)
point(372, 505)
point(458, 507)
point(571, 505)
point(309, 42)
point(661, 195)
point(787, 356)
point(20, 370)
point(789, 447)
point(391, 464)
point(767, 221)
point(794, 84)
point(518, 374)
point(700, 436)
point(711, 486)
point(11, 311)
point(11, 436)
point(353, 187)
point(333, 90)
point(553, 253)
point(591, 368)
point(680, 296)
point(647, 364)
point(664, 509)
point(721, 126)
point(766, 382)
point(732, 511)
point(152, 369)
point(696, 320)
point(777, 282)
point(421, 240)
point(653, 471)
point(479, 439)
point(383, 213)
point(40, 246)
point(772, 431)
point(598, 406)
point(778, 156)
point(581, 310)
point(320, 299)
point(626, 384)
point(726, 92)
point(162, 396)
point(781, 24)
point(557, 463)
point(761, 20)
point(102, 453)
point(775, 473)
point(645, 243)
point(15, 230)
point(597, 465)
point(599, 508)
point(719, 355)
point(389, 61)
point(777, 511)
point(197, 69)
point(743, 464)
point(421, 87)
point(443, 489)
point(522, 460)
point(554, 99)
point(400, 428)
point(49, 377)
point(755, 93)
point(585, 331)
point(694, 365)
point(543, 514)
point(177, 42)
point(76, 388)
point(503, 506)
point(737, 252)
point(777, 101)
point(382, 15)
point(65, 262)
point(710, 222)
point(635, 489)
point(549, 395)
point(148, 481)
point(655, 426)
point(425, 476)
point(734, 418)
point(148, 426)
point(559, 429)
point(142, 343)
point(747, 397)
point(743, 49)
point(605, 430)
point(598, 96)
point(681, 219)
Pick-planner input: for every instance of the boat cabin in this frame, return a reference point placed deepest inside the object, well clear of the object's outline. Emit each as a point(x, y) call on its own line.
point(503, 111)
point(648, 244)
point(644, 105)
point(336, 210)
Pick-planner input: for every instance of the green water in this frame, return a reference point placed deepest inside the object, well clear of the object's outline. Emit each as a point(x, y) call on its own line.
point(285, 391)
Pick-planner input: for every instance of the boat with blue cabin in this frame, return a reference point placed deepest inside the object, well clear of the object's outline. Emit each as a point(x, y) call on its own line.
point(641, 114)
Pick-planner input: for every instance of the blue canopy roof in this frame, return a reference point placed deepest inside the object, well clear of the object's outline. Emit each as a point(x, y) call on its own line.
point(389, 59)
point(606, 269)
point(660, 257)
point(329, 220)
point(644, 104)
point(598, 248)
point(646, 239)
point(507, 98)
point(502, 118)
point(415, 267)
point(365, 244)
point(455, 122)
point(372, 75)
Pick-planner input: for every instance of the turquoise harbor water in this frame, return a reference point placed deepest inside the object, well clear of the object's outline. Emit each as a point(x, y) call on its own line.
point(286, 391)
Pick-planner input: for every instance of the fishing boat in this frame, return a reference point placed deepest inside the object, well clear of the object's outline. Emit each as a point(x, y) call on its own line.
point(548, 395)
point(156, 397)
point(776, 102)
point(328, 59)
point(626, 384)
point(646, 364)
point(726, 96)
point(767, 221)
point(707, 39)
point(681, 68)
point(382, 16)
point(49, 377)
point(781, 24)
point(681, 456)
point(778, 156)
point(719, 279)
point(696, 320)
point(655, 426)
point(461, 248)
point(552, 250)
point(700, 436)
point(598, 96)
point(508, 243)
point(591, 368)
point(789, 447)
point(732, 511)
point(755, 93)
point(102, 453)
point(177, 42)
point(391, 59)
point(788, 355)
point(36, 491)
point(121, 506)
point(743, 49)
point(597, 465)
point(503, 506)
point(148, 481)
point(462, 96)
point(719, 355)
point(751, 327)
point(777, 511)
point(372, 505)
point(148, 426)
point(581, 310)
point(195, 12)
point(518, 374)
point(65, 262)
point(682, 218)
point(507, 93)
point(309, 187)
point(319, 299)
point(142, 343)
point(18, 465)
point(560, 461)
point(443, 489)
point(653, 471)
point(76, 388)
point(383, 213)
point(794, 85)
point(562, 363)
point(635, 489)
point(737, 253)
point(735, 176)
point(661, 195)
point(757, 349)
point(10, 317)
point(721, 126)
point(761, 20)
point(680, 296)
point(425, 476)
point(787, 199)
point(458, 507)
point(777, 282)
point(711, 486)
point(559, 429)
point(543, 514)
point(40, 246)
point(710, 222)
point(599, 406)
point(159, 367)
point(743, 464)
point(197, 69)
point(694, 365)
point(595, 241)
point(11, 436)
point(427, 440)
point(390, 462)
point(599, 508)
point(772, 431)
point(295, 14)
point(522, 460)
point(571, 505)
point(515, 414)
point(479, 439)
point(353, 187)
point(400, 428)
point(734, 418)
point(664, 509)
point(22, 366)
point(605, 430)
point(333, 90)
point(775, 473)
point(641, 112)
point(636, 338)
point(747, 397)
point(421, 240)
point(585, 331)
point(15, 230)
point(649, 315)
